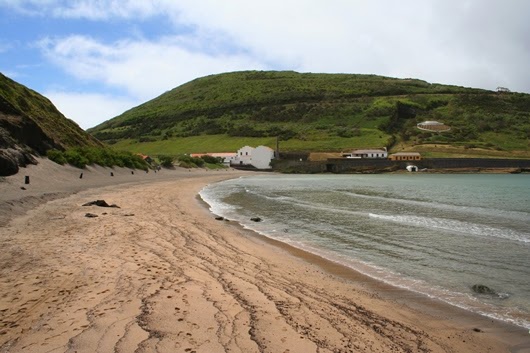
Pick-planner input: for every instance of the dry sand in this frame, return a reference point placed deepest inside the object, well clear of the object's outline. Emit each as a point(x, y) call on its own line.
point(160, 274)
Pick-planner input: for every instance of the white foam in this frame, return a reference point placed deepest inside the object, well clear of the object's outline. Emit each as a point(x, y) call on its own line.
point(455, 226)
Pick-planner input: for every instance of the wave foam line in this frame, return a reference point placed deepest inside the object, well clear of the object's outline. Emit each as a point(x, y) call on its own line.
point(454, 225)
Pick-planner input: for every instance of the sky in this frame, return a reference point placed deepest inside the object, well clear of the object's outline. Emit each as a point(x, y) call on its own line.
point(96, 59)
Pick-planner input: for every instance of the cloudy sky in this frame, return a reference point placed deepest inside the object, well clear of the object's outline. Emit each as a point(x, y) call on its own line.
point(97, 58)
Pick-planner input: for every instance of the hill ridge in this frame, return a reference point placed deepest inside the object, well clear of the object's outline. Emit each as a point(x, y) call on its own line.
point(312, 111)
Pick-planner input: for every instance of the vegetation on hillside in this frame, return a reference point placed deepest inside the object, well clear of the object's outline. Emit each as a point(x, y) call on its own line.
point(31, 125)
point(318, 112)
point(186, 161)
point(18, 100)
point(80, 157)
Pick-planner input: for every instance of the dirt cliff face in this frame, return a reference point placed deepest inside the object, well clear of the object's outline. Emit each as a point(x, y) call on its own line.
point(20, 138)
point(31, 125)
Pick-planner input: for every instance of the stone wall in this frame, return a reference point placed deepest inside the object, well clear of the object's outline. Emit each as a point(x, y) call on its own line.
point(385, 165)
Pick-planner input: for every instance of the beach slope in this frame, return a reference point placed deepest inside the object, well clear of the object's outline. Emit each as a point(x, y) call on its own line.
point(160, 274)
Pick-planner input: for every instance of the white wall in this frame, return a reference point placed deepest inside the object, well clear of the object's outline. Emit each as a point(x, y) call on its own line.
point(259, 157)
point(244, 156)
point(262, 156)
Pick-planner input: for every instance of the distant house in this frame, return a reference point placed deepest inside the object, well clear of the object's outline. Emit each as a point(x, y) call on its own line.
point(227, 157)
point(259, 157)
point(146, 158)
point(349, 155)
point(405, 156)
point(375, 153)
point(243, 156)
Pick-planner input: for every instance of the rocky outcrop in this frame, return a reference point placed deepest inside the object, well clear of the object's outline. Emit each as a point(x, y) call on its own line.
point(20, 139)
point(482, 289)
point(31, 125)
point(100, 203)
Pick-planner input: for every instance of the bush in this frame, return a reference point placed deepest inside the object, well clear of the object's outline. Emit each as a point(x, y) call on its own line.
point(81, 156)
point(56, 156)
point(75, 158)
point(166, 161)
point(186, 161)
point(347, 132)
point(212, 160)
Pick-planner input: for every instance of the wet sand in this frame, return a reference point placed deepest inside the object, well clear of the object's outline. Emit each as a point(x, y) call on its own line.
point(160, 274)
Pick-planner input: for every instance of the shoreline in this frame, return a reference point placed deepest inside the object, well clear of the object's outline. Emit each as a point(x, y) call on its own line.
point(160, 273)
point(401, 296)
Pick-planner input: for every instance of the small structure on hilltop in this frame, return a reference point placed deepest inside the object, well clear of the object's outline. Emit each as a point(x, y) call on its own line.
point(433, 126)
point(259, 157)
point(405, 156)
point(368, 153)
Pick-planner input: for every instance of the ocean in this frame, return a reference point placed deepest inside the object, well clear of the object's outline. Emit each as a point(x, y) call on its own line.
point(435, 234)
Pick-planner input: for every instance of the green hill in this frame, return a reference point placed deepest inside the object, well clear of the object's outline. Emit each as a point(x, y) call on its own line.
point(30, 124)
point(322, 112)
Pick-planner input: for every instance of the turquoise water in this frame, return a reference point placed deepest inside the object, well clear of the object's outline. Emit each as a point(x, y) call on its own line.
point(434, 234)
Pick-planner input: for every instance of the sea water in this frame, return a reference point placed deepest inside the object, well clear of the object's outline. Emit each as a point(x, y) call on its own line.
point(435, 234)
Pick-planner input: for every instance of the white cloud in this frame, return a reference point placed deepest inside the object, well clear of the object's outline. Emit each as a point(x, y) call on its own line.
point(144, 69)
point(87, 9)
point(29, 7)
point(89, 109)
point(107, 9)
point(472, 42)
point(479, 43)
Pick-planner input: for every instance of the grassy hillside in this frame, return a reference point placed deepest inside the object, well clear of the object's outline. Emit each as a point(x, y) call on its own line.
point(21, 107)
point(321, 112)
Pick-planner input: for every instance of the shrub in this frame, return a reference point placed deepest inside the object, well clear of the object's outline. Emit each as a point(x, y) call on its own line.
point(81, 156)
point(212, 160)
point(166, 161)
point(147, 139)
point(75, 158)
point(186, 161)
point(347, 132)
point(56, 156)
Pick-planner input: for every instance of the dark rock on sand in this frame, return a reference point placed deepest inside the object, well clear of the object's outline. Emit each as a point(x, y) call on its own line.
point(219, 218)
point(256, 219)
point(100, 203)
point(91, 215)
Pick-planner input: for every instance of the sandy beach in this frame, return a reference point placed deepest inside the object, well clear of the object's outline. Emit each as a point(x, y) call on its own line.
point(161, 274)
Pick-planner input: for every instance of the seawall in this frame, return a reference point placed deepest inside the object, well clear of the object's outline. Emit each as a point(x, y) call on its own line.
point(344, 165)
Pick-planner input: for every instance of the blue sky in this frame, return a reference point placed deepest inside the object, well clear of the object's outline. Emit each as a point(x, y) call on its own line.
point(97, 58)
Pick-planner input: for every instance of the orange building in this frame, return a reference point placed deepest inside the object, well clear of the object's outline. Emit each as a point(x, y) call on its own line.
point(405, 156)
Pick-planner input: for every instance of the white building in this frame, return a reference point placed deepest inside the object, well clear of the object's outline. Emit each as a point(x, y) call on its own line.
point(376, 153)
point(262, 157)
point(259, 157)
point(243, 156)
